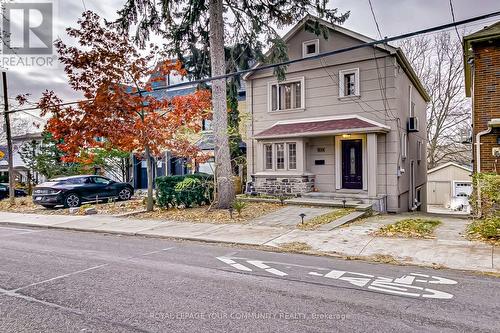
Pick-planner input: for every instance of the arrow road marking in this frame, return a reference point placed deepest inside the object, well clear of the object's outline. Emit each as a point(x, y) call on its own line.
point(268, 269)
point(234, 264)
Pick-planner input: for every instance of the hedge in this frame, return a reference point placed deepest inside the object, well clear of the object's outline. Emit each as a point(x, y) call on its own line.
point(187, 190)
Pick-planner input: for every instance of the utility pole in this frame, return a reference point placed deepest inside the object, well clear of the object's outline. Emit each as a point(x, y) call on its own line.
point(10, 155)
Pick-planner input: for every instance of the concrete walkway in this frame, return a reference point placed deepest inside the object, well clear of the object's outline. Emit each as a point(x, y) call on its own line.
point(449, 249)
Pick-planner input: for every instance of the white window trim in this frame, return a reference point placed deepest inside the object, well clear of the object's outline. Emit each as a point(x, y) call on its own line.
point(419, 151)
point(302, 95)
point(404, 146)
point(272, 156)
point(342, 73)
point(306, 44)
point(410, 100)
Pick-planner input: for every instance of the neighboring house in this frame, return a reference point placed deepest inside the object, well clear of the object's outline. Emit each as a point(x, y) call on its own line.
point(20, 169)
point(449, 185)
point(167, 164)
point(349, 126)
point(482, 83)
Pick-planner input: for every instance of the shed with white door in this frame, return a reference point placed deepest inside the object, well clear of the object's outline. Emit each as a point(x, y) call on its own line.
point(449, 185)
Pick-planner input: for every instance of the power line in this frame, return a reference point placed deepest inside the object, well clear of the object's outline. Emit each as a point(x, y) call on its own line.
point(453, 18)
point(293, 61)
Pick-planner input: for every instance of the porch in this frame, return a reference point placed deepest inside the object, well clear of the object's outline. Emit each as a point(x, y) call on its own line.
point(327, 159)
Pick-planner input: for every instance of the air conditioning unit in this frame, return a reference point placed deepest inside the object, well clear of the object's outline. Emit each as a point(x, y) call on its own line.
point(412, 124)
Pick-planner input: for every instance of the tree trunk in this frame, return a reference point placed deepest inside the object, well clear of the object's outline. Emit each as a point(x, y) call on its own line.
point(225, 189)
point(149, 172)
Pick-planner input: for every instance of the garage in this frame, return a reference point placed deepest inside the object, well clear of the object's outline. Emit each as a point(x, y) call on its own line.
point(449, 186)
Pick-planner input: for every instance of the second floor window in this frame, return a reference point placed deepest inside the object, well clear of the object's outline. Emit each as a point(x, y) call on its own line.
point(287, 95)
point(349, 82)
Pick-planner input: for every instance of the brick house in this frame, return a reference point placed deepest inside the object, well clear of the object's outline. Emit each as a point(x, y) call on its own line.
point(348, 126)
point(482, 84)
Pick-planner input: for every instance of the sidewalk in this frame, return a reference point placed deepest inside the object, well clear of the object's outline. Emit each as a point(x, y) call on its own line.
point(449, 250)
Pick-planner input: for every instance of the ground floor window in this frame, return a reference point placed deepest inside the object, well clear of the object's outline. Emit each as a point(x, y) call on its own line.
point(280, 156)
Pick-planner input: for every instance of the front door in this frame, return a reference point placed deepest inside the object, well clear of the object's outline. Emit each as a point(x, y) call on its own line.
point(352, 174)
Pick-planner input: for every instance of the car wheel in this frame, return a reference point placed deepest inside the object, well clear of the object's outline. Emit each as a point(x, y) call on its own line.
point(125, 194)
point(72, 200)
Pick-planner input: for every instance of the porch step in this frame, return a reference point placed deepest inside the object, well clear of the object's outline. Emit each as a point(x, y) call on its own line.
point(322, 202)
point(354, 196)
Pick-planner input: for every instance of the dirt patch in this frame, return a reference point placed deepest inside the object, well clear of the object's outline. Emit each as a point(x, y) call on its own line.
point(295, 247)
point(410, 228)
point(26, 205)
point(203, 214)
point(317, 221)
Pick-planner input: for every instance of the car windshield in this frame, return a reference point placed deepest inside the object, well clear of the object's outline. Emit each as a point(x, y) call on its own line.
point(78, 180)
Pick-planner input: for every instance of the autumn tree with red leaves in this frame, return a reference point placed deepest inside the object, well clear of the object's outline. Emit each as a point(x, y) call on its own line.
point(113, 76)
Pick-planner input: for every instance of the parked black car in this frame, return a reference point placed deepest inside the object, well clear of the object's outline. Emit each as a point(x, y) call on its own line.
point(4, 192)
point(73, 191)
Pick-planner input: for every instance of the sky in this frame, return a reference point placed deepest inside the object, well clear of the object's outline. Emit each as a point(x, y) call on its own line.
point(394, 17)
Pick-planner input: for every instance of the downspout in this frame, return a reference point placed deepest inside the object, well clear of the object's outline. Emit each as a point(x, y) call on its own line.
point(252, 127)
point(478, 166)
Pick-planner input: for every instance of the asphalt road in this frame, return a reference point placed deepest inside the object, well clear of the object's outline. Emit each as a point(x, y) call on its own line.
point(64, 281)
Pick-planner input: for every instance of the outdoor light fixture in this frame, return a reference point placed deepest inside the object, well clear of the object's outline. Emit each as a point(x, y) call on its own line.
point(302, 215)
point(343, 203)
point(346, 135)
point(230, 209)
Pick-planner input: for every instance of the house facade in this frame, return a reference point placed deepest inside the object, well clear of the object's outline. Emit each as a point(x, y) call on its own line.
point(347, 126)
point(482, 83)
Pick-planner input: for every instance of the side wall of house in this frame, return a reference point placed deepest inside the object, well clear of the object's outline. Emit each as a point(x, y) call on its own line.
point(486, 102)
point(414, 156)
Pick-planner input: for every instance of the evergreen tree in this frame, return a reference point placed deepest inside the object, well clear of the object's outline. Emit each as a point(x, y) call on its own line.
point(193, 29)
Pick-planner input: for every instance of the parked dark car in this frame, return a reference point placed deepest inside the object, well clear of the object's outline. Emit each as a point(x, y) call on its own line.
point(75, 190)
point(4, 192)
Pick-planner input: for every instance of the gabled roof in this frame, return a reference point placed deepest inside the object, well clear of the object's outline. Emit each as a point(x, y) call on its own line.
point(448, 164)
point(310, 127)
point(397, 52)
point(490, 32)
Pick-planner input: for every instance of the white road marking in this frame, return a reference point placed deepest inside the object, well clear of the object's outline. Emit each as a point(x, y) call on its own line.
point(234, 264)
point(334, 274)
point(400, 286)
point(60, 277)
point(261, 265)
point(153, 252)
point(406, 279)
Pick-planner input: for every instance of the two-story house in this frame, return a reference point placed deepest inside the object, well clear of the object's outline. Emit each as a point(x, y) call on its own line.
point(347, 126)
point(482, 83)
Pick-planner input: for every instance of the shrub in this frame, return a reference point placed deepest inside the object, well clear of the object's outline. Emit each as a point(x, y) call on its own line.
point(490, 195)
point(184, 190)
point(238, 206)
point(489, 228)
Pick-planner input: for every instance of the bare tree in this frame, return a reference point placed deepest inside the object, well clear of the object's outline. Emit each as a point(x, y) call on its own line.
point(438, 63)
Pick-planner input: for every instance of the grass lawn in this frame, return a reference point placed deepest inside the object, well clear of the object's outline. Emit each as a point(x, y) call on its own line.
point(410, 228)
point(26, 205)
point(486, 230)
point(317, 221)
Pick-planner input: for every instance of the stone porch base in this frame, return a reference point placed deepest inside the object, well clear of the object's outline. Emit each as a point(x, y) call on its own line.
point(283, 184)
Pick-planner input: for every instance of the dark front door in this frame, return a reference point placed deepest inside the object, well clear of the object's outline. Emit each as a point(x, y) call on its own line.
point(352, 174)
